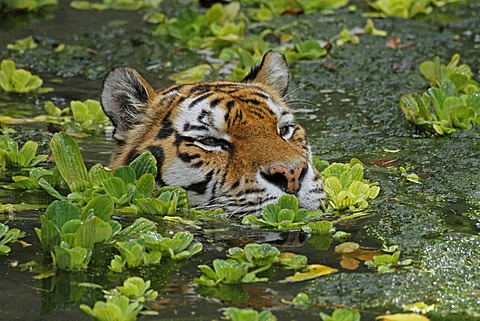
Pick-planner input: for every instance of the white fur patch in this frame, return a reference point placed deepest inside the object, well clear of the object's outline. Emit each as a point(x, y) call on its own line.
point(201, 120)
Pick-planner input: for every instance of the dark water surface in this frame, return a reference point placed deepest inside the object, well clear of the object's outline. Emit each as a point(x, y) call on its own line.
point(352, 111)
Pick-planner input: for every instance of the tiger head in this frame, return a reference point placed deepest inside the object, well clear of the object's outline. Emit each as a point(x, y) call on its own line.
point(233, 145)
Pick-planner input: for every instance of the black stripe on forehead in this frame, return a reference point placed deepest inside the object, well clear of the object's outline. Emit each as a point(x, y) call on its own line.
point(167, 128)
point(199, 99)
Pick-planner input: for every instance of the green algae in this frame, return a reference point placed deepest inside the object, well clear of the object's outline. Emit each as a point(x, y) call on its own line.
point(447, 276)
point(352, 111)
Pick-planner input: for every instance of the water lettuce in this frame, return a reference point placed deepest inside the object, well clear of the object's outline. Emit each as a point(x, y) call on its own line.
point(70, 235)
point(459, 74)
point(132, 188)
point(150, 247)
point(80, 116)
point(389, 262)
point(12, 156)
point(19, 80)
point(452, 103)
point(26, 5)
point(405, 8)
point(341, 314)
point(265, 10)
point(8, 236)
point(244, 265)
point(283, 215)
point(123, 303)
point(23, 44)
point(236, 314)
point(346, 188)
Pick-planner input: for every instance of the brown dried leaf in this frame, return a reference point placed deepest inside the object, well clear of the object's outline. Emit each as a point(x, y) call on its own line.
point(349, 263)
point(347, 247)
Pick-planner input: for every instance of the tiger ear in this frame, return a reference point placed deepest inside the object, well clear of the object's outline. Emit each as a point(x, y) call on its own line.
point(272, 71)
point(124, 98)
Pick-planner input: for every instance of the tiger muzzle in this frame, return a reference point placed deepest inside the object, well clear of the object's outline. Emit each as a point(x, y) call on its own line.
point(287, 178)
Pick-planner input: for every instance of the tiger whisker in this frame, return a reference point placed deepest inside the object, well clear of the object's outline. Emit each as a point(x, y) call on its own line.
point(297, 89)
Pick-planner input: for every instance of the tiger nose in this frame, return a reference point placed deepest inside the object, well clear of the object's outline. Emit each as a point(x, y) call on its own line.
point(287, 177)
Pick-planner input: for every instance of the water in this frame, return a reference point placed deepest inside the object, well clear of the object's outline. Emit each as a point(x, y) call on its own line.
point(352, 111)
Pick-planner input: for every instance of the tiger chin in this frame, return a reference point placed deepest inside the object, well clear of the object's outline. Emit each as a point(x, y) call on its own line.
point(232, 145)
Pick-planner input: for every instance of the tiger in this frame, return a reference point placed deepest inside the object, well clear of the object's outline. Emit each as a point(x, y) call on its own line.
point(230, 145)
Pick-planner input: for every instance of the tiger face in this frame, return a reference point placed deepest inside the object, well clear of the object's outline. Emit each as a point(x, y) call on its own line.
point(233, 145)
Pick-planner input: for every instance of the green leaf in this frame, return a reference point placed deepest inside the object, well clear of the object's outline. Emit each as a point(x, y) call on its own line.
point(69, 160)
point(101, 206)
point(341, 314)
point(126, 173)
point(288, 201)
point(115, 186)
point(143, 164)
point(73, 259)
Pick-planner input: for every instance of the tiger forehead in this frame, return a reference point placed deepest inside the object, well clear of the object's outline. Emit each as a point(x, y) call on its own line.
point(218, 105)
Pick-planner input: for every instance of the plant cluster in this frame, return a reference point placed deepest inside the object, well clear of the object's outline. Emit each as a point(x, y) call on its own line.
point(452, 103)
point(387, 263)
point(19, 80)
point(132, 188)
point(70, 235)
point(236, 314)
point(86, 116)
point(341, 314)
point(283, 215)
point(69, 232)
point(150, 247)
point(222, 30)
point(26, 5)
point(405, 8)
point(346, 188)
point(115, 4)
point(243, 265)
point(8, 236)
point(264, 10)
point(12, 157)
point(23, 44)
point(123, 303)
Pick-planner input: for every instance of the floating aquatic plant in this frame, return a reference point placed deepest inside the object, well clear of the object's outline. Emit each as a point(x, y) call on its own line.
point(243, 265)
point(8, 236)
point(405, 8)
point(236, 314)
point(23, 44)
point(224, 271)
point(301, 301)
point(150, 247)
point(123, 303)
point(346, 188)
point(177, 247)
point(12, 156)
point(460, 75)
point(69, 235)
point(341, 314)
point(283, 215)
point(387, 263)
point(452, 103)
point(115, 4)
point(26, 5)
point(85, 115)
point(265, 10)
point(19, 80)
point(131, 187)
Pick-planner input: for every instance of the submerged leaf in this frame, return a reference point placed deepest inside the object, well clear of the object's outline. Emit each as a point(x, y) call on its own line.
point(402, 317)
point(311, 272)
